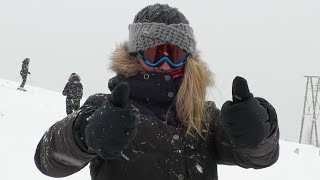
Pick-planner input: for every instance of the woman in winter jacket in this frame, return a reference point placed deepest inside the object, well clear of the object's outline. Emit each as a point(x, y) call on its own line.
point(156, 123)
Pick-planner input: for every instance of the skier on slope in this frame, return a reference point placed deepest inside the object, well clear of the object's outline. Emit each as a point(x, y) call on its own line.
point(24, 73)
point(156, 123)
point(74, 91)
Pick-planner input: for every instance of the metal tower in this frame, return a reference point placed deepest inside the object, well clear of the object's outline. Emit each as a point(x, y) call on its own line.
point(311, 110)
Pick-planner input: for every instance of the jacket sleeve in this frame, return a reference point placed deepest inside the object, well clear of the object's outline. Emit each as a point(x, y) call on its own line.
point(79, 91)
point(24, 70)
point(263, 155)
point(61, 151)
point(66, 89)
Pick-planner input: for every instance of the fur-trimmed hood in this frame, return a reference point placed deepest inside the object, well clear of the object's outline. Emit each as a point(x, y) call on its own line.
point(124, 63)
point(74, 77)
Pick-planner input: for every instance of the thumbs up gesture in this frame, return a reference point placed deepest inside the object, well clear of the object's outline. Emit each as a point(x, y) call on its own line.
point(112, 126)
point(244, 118)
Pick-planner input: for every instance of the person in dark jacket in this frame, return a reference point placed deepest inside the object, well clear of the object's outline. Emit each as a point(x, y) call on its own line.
point(156, 123)
point(74, 91)
point(24, 73)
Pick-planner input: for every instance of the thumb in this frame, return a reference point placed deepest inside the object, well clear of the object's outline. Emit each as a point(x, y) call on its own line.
point(113, 82)
point(120, 95)
point(240, 89)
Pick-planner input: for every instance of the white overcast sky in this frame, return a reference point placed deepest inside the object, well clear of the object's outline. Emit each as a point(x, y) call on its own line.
point(272, 43)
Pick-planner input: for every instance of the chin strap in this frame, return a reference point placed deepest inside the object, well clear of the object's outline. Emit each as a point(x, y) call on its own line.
point(177, 73)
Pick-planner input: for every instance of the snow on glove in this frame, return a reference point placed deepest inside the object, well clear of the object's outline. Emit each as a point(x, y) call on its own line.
point(245, 120)
point(112, 126)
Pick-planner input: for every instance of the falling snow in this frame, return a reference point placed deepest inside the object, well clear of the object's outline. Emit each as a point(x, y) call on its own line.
point(39, 109)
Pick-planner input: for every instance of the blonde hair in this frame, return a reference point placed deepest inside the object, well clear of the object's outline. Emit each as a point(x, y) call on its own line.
point(191, 97)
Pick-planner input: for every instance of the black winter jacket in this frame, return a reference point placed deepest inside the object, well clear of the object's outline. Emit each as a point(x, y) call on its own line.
point(161, 150)
point(24, 69)
point(73, 90)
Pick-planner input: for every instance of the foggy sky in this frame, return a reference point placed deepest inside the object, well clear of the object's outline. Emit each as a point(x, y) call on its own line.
point(272, 43)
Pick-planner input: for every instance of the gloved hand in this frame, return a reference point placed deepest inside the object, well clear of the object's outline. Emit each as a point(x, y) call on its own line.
point(245, 120)
point(112, 126)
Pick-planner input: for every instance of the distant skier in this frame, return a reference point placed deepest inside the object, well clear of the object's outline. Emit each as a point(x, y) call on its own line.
point(74, 91)
point(24, 73)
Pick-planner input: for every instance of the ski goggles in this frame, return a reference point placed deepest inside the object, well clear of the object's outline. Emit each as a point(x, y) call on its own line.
point(172, 54)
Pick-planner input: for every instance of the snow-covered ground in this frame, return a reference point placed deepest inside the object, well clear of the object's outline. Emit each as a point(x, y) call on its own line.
point(25, 116)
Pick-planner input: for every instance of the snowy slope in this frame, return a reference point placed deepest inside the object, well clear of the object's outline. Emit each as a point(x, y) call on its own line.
point(25, 116)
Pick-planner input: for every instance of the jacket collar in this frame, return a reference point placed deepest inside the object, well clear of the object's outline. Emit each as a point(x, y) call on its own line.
point(151, 88)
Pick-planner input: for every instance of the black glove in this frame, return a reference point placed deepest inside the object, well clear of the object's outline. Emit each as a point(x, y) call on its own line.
point(112, 126)
point(245, 119)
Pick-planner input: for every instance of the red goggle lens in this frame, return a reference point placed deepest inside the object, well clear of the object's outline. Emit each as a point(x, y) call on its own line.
point(174, 53)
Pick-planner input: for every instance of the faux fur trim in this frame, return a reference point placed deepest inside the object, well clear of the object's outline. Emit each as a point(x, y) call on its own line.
point(124, 63)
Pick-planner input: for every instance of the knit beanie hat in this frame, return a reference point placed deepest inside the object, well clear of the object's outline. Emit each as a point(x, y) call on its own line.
point(160, 24)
